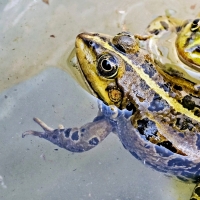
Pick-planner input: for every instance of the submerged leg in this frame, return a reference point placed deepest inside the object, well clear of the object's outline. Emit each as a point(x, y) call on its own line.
point(196, 193)
point(77, 139)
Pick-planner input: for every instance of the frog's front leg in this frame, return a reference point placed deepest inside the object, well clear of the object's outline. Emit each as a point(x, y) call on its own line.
point(75, 139)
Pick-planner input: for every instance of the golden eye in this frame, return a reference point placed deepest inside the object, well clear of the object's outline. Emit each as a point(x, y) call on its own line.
point(107, 66)
point(195, 25)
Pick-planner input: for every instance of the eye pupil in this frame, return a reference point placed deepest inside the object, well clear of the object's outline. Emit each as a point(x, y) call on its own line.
point(195, 25)
point(106, 65)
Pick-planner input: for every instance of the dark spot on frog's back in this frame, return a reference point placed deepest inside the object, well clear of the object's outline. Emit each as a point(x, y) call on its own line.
point(148, 69)
point(164, 25)
point(181, 135)
point(165, 87)
point(155, 31)
point(178, 28)
point(158, 104)
point(177, 87)
point(188, 103)
point(184, 123)
point(128, 68)
point(197, 112)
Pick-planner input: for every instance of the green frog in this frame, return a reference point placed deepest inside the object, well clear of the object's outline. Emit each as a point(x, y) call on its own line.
point(155, 115)
point(175, 46)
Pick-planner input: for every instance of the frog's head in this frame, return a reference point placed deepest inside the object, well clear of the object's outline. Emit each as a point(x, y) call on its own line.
point(100, 61)
point(188, 44)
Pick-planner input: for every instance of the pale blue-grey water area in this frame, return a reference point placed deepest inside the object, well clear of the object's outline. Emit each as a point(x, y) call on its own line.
point(36, 81)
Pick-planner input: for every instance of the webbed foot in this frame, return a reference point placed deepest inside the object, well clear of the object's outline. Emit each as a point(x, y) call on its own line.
point(75, 139)
point(45, 127)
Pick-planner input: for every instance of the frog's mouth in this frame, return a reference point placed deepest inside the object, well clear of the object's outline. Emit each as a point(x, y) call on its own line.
point(87, 59)
point(84, 81)
point(76, 72)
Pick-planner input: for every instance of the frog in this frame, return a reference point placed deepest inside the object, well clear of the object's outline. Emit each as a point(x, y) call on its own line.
point(175, 46)
point(155, 116)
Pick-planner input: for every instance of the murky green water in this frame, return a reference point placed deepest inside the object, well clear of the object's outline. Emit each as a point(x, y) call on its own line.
point(36, 40)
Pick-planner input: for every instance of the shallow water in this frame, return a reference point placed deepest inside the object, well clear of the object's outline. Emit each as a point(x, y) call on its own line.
point(35, 81)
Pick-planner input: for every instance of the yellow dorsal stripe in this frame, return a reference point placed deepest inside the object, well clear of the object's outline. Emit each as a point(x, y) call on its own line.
point(171, 101)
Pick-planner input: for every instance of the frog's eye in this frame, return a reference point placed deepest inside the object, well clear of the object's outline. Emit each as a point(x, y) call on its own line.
point(107, 66)
point(195, 25)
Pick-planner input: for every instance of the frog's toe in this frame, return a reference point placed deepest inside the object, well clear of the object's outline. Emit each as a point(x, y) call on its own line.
point(75, 139)
point(60, 126)
point(42, 124)
point(35, 133)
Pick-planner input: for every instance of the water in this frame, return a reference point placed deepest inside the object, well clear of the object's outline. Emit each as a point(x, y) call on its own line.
point(36, 40)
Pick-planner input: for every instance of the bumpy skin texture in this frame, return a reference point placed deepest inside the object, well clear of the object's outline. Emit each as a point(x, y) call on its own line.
point(156, 117)
point(172, 107)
